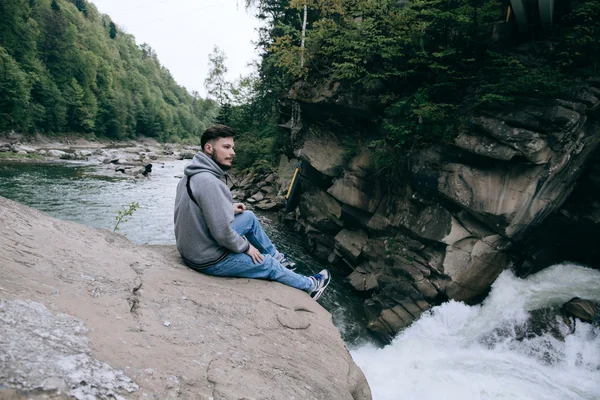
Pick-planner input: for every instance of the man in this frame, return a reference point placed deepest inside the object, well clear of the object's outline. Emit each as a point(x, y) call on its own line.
point(219, 238)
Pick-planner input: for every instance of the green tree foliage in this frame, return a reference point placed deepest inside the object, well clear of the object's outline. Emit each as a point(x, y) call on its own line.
point(215, 82)
point(124, 213)
point(424, 65)
point(247, 105)
point(66, 68)
point(14, 93)
point(80, 114)
point(579, 47)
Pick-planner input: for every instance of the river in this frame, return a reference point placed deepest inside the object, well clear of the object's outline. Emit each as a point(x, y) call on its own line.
point(454, 351)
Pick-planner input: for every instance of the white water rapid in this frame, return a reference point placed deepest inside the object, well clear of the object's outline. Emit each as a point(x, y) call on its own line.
point(466, 352)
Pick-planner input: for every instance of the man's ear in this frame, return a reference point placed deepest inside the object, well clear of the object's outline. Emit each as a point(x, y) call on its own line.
point(208, 149)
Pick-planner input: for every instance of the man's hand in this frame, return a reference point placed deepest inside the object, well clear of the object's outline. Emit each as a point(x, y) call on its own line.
point(238, 208)
point(255, 255)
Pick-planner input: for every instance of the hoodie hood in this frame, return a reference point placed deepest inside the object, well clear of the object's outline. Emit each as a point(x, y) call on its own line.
point(203, 163)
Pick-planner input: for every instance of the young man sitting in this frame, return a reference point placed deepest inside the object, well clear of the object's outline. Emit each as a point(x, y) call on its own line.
point(218, 237)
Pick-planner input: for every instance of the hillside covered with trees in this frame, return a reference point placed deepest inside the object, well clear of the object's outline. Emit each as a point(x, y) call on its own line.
point(64, 68)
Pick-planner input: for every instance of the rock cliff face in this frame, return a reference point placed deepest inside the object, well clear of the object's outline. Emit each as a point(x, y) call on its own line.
point(463, 211)
point(87, 314)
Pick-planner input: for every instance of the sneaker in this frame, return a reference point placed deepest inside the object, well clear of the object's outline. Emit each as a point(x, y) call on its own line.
point(283, 260)
point(321, 280)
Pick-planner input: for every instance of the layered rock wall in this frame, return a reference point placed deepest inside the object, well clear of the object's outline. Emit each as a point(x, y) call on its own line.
point(463, 212)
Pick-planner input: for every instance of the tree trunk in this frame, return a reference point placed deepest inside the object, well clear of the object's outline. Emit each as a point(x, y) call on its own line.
point(303, 37)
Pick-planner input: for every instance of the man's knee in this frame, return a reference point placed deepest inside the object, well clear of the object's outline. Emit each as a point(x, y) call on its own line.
point(248, 214)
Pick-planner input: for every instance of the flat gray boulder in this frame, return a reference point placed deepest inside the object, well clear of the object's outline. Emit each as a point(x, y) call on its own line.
point(86, 313)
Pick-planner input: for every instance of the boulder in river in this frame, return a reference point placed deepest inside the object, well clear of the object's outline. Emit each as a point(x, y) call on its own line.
point(585, 310)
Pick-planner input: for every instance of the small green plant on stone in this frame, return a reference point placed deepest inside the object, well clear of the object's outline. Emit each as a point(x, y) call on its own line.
point(124, 212)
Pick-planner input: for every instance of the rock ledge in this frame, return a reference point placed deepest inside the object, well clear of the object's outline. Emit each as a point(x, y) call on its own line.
point(109, 319)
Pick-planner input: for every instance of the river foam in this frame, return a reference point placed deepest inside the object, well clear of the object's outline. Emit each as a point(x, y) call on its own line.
point(463, 352)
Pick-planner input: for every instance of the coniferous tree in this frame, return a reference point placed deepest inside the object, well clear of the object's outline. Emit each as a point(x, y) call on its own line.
point(112, 30)
point(81, 6)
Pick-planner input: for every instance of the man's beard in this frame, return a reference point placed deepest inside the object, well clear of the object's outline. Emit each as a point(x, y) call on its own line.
point(223, 167)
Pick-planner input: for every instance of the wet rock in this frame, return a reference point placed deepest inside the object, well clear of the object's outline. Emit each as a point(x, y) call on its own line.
point(427, 289)
point(390, 313)
point(473, 265)
point(586, 310)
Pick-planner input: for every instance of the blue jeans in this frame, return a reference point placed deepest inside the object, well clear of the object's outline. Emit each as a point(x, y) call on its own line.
point(241, 265)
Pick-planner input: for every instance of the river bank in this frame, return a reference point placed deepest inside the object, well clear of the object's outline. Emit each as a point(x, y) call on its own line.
point(16, 147)
point(120, 159)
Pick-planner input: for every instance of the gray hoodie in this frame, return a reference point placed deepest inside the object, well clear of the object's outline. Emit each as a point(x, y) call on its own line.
point(203, 232)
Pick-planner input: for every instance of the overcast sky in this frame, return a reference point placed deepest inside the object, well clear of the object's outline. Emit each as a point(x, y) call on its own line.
point(184, 32)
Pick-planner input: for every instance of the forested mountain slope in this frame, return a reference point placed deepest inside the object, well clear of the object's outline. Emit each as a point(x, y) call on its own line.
point(64, 67)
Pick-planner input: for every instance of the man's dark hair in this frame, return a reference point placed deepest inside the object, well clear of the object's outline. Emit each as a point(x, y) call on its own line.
point(215, 132)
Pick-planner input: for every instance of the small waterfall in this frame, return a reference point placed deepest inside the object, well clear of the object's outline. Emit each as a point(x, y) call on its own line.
point(466, 352)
